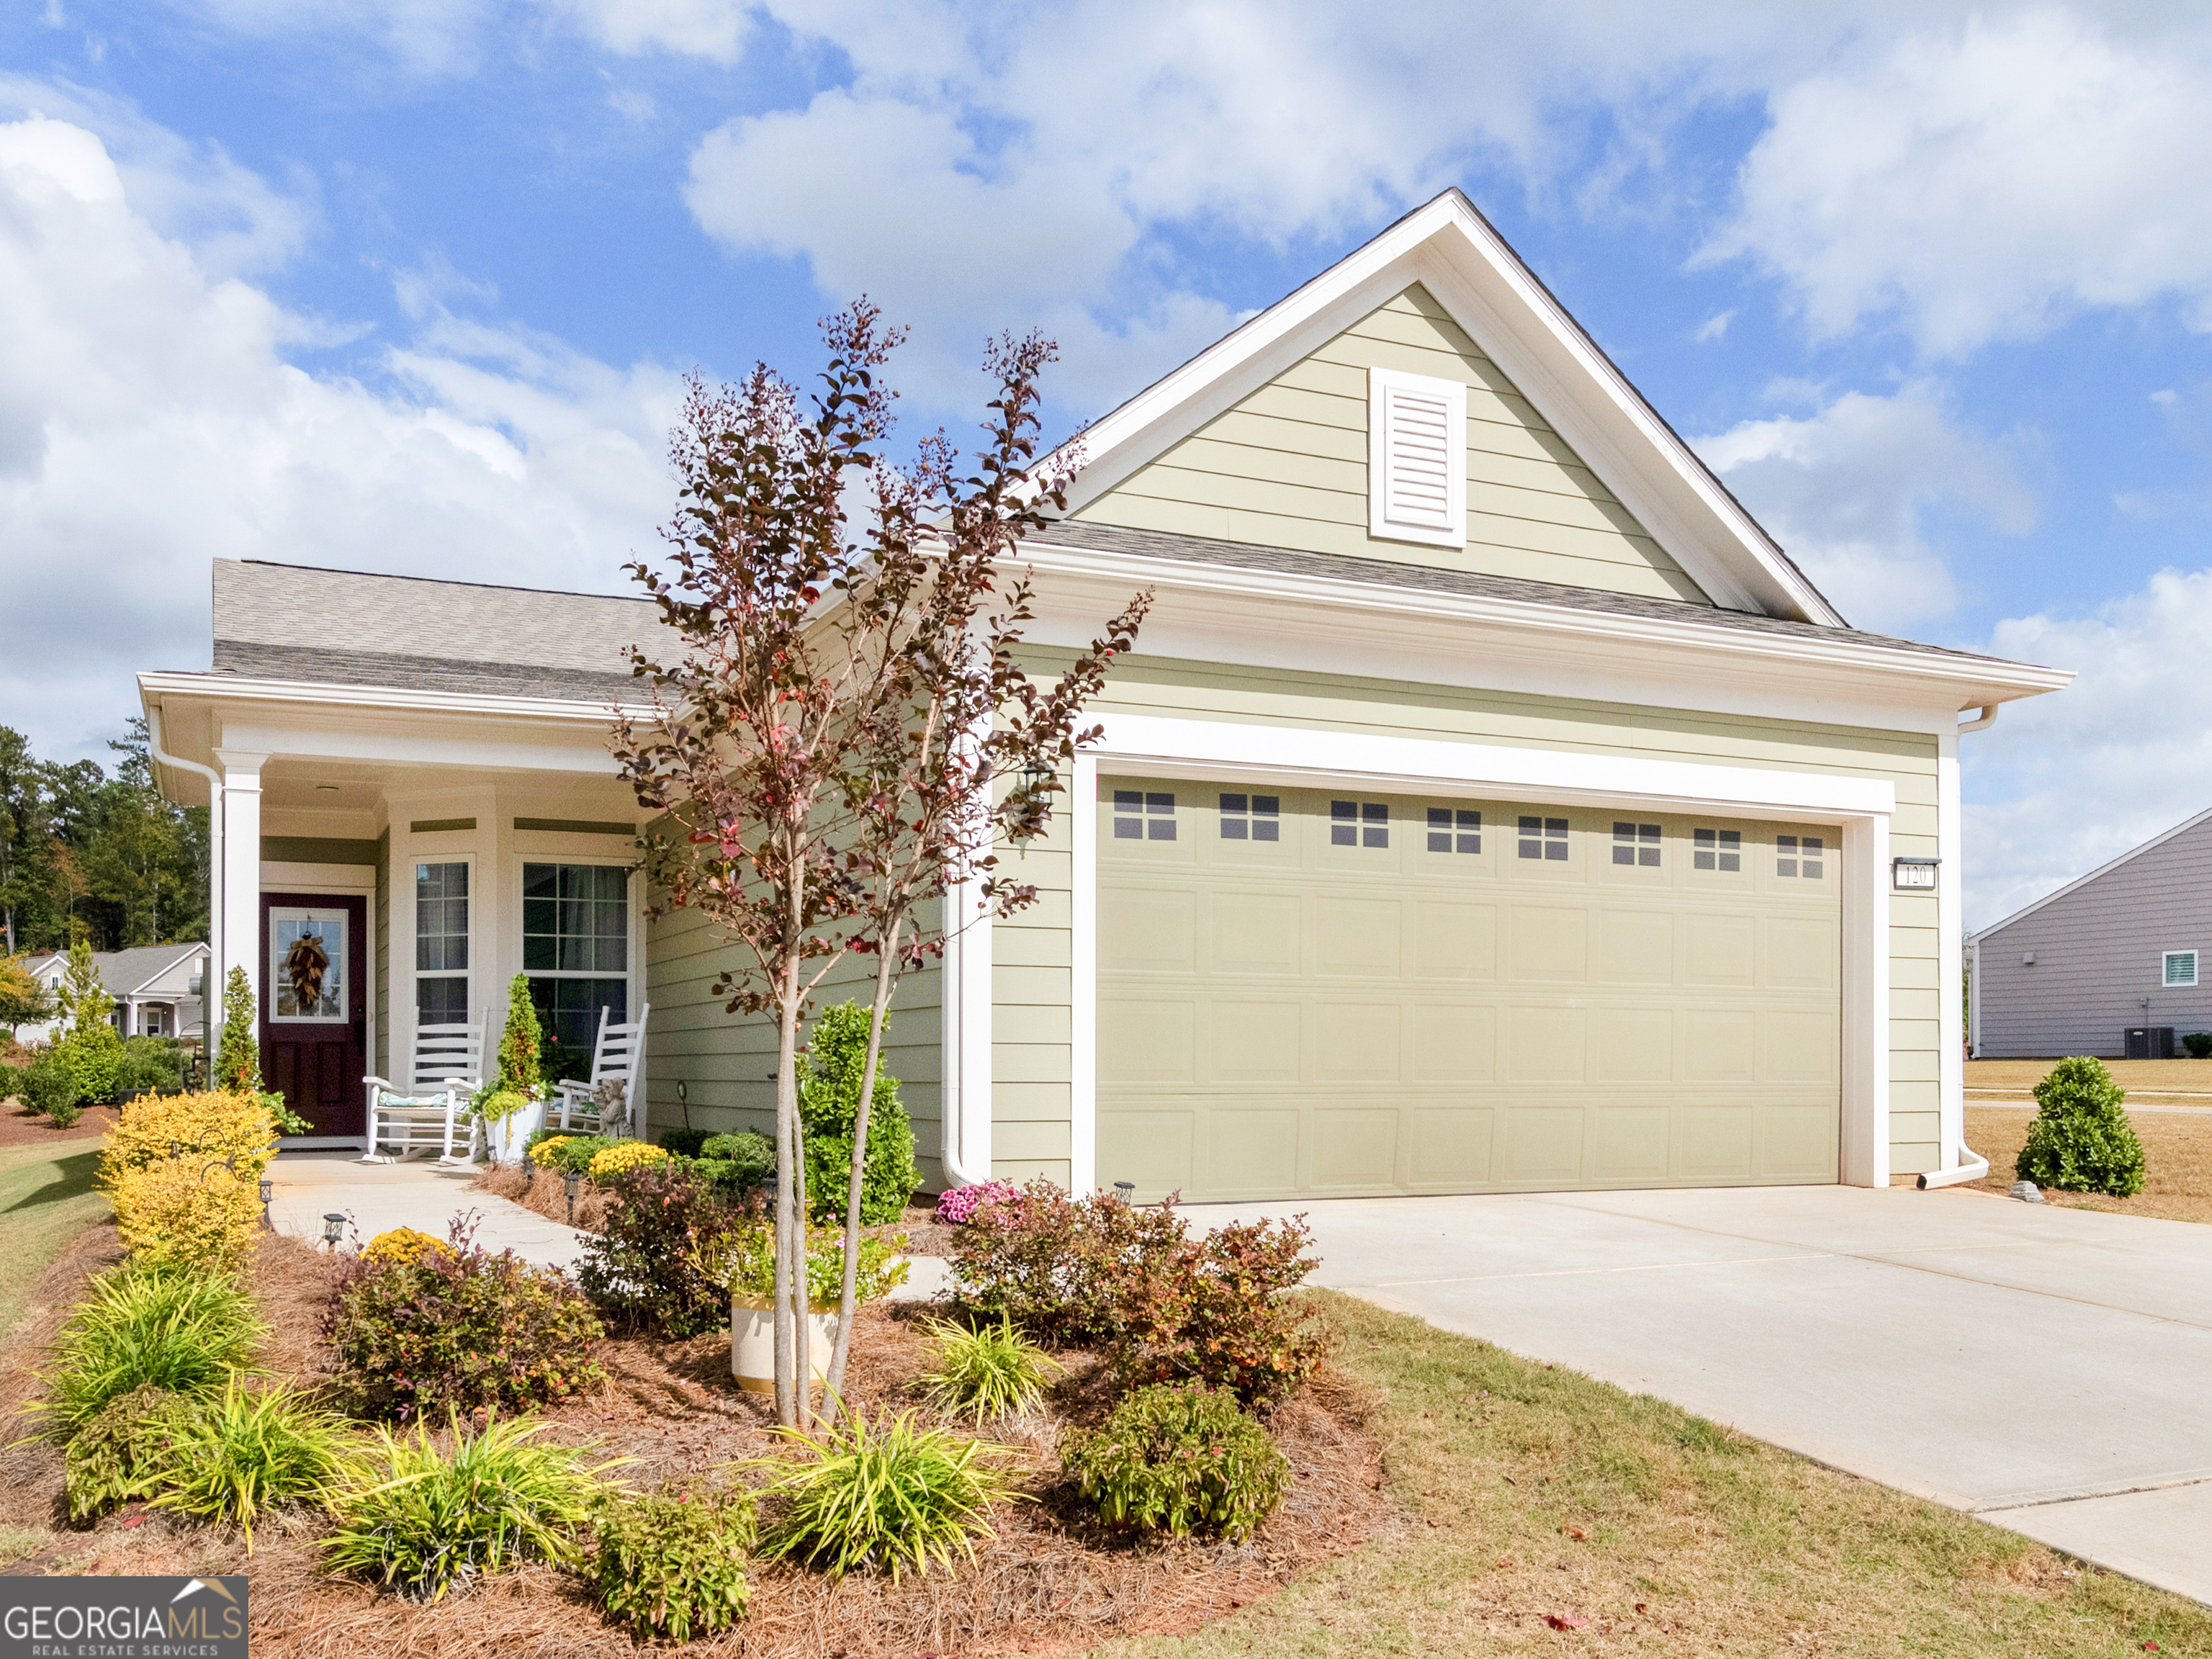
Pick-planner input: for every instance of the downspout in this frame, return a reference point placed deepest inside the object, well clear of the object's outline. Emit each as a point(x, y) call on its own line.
point(1972, 1166)
point(211, 977)
point(958, 1028)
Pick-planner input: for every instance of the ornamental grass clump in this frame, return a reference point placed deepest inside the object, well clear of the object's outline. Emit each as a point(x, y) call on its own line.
point(2080, 1140)
point(250, 1451)
point(142, 1327)
point(420, 1522)
point(458, 1326)
point(669, 1564)
point(886, 1494)
point(986, 1371)
point(1179, 1460)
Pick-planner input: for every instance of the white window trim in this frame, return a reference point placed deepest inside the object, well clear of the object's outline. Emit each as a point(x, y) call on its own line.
point(1146, 745)
point(1382, 385)
point(633, 977)
point(473, 973)
point(2196, 971)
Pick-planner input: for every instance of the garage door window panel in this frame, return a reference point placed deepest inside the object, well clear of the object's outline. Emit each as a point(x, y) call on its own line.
point(1636, 844)
point(1456, 830)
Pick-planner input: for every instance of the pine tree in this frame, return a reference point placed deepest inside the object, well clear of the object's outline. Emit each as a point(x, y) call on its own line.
point(238, 1057)
point(90, 1046)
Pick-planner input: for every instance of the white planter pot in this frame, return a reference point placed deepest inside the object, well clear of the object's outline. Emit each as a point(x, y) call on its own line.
point(753, 1345)
point(504, 1140)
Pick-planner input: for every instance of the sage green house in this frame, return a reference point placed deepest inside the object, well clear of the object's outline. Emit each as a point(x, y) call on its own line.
point(1491, 804)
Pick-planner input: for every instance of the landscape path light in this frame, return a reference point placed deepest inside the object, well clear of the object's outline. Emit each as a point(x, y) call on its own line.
point(572, 1181)
point(267, 1191)
point(333, 1227)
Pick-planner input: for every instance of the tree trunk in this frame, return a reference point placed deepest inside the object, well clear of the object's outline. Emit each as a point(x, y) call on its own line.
point(886, 977)
point(786, 1124)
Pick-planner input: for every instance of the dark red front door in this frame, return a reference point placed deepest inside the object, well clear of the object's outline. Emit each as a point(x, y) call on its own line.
point(314, 1007)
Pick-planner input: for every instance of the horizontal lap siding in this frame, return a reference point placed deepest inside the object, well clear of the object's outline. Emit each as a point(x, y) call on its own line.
point(1032, 990)
point(1287, 467)
point(1343, 703)
point(727, 1061)
point(2098, 955)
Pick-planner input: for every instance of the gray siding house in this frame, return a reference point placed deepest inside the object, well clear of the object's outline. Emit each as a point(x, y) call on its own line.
point(2118, 963)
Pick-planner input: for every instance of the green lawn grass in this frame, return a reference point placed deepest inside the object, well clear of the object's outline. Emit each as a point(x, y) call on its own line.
point(1536, 1492)
point(47, 1197)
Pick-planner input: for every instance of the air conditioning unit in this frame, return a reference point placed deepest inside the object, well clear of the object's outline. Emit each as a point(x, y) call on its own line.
point(2147, 1042)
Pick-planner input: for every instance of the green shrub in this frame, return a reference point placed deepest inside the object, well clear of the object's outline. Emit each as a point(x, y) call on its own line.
point(575, 1154)
point(988, 1370)
point(90, 1045)
point(2080, 1140)
point(2198, 1045)
point(742, 1161)
point(461, 1328)
point(685, 1143)
point(248, 1452)
point(519, 1066)
point(1179, 1460)
point(117, 1457)
point(744, 1265)
point(644, 1268)
point(670, 1564)
point(11, 1080)
point(420, 1522)
point(140, 1326)
point(50, 1087)
point(884, 1495)
point(830, 1077)
point(151, 1064)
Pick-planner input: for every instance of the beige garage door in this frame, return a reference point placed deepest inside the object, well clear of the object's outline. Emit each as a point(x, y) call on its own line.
point(1313, 993)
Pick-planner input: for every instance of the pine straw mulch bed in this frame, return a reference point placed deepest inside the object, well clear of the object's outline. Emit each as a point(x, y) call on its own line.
point(543, 1193)
point(21, 1127)
point(1051, 1581)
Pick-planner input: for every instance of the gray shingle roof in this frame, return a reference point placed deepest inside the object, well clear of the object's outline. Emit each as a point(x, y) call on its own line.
point(326, 665)
point(122, 971)
point(1341, 567)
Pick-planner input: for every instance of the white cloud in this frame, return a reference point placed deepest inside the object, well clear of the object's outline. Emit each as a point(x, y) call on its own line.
point(150, 423)
point(714, 29)
point(1844, 489)
point(1714, 328)
point(1987, 179)
point(2062, 783)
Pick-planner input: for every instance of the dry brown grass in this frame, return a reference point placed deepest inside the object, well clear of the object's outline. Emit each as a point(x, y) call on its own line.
point(2177, 1161)
point(2184, 1082)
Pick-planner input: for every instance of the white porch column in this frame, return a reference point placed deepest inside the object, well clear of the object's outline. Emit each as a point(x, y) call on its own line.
point(1866, 1056)
point(242, 874)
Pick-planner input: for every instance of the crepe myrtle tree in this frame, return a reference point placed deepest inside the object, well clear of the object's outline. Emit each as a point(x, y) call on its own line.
point(838, 688)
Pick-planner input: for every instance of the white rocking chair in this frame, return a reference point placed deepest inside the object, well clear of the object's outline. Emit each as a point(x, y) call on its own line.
point(617, 1056)
point(448, 1069)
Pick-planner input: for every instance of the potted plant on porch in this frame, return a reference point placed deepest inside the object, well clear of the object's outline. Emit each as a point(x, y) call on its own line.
point(511, 1106)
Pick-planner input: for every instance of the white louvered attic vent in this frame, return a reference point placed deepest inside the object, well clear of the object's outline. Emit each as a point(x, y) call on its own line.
point(1416, 458)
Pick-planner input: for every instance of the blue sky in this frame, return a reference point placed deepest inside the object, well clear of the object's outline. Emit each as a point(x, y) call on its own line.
point(410, 286)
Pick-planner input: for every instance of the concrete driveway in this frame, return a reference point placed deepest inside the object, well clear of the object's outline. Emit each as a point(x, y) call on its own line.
point(2048, 1369)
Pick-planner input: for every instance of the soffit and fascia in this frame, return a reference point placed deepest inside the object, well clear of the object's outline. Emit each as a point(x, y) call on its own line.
point(1449, 248)
point(1278, 618)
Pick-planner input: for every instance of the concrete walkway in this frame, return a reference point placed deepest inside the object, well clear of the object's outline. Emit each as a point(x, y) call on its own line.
point(2046, 1369)
point(419, 1193)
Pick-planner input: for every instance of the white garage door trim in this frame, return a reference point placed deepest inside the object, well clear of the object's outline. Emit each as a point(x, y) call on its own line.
point(1142, 743)
point(1147, 744)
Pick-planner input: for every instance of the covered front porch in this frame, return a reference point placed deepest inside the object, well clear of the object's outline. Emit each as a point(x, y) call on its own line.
point(386, 859)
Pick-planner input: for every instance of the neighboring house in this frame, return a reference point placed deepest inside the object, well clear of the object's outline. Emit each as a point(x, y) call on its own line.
point(1490, 804)
point(157, 988)
point(2117, 964)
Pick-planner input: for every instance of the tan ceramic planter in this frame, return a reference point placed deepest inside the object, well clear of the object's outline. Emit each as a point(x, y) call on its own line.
point(752, 1344)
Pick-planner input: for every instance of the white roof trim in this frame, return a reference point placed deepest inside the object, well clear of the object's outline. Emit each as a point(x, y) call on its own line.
point(2083, 881)
point(1458, 255)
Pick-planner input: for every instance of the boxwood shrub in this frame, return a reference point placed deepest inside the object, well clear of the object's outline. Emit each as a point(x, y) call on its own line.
point(2080, 1140)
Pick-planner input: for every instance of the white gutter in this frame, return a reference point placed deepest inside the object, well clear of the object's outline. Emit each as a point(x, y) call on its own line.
point(1972, 1166)
point(211, 975)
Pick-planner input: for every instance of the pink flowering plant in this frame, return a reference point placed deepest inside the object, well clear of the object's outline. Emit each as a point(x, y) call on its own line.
point(957, 1207)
